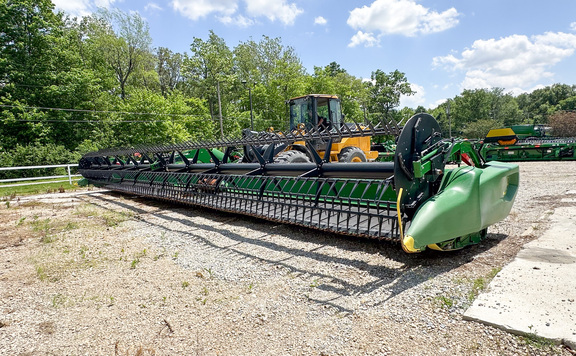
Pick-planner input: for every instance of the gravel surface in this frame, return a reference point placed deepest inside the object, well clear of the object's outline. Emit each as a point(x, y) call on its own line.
point(97, 273)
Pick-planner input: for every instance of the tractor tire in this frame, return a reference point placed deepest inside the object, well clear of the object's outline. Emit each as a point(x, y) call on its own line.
point(351, 154)
point(292, 156)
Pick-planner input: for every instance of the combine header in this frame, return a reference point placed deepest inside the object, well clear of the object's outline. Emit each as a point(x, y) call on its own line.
point(526, 143)
point(416, 200)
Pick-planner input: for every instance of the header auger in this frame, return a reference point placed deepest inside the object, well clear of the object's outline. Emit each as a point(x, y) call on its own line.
point(416, 200)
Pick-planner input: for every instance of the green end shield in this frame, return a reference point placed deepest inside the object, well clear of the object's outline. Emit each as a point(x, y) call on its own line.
point(469, 200)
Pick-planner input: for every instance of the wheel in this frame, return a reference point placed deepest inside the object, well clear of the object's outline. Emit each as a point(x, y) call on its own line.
point(292, 156)
point(351, 154)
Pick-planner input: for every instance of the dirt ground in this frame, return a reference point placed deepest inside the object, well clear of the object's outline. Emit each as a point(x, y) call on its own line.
point(98, 273)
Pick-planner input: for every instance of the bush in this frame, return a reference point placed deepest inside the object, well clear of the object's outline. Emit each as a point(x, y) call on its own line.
point(36, 155)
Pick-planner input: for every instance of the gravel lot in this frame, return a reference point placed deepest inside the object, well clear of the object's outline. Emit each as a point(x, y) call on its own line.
point(98, 273)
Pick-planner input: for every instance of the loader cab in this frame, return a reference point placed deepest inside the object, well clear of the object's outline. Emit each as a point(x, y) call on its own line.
point(315, 112)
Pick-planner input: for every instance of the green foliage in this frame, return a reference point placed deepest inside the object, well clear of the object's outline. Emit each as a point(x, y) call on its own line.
point(541, 103)
point(35, 155)
point(70, 86)
point(386, 89)
point(172, 119)
point(479, 129)
point(123, 42)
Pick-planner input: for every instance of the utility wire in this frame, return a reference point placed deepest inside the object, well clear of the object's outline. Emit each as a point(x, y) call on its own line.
point(94, 111)
point(109, 112)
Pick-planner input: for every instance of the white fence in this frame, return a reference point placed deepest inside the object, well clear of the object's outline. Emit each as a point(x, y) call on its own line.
point(69, 176)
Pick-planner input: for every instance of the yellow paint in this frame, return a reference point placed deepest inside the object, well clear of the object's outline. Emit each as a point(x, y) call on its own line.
point(501, 132)
point(408, 245)
point(435, 247)
point(398, 214)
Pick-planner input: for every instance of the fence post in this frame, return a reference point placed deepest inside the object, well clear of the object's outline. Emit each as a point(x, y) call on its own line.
point(69, 175)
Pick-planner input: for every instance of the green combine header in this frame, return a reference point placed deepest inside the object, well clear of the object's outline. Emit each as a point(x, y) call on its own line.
point(526, 143)
point(417, 199)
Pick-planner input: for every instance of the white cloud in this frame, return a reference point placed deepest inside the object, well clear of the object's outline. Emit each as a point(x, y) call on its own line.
point(413, 101)
point(240, 21)
point(513, 62)
point(73, 7)
point(320, 21)
point(400, 17)
point(196, 9)
point(573, 26)
point(273, 10)
point(367, 39)
point(104, 3)
point(81, 7)
point(152, 6)
point(226, 11)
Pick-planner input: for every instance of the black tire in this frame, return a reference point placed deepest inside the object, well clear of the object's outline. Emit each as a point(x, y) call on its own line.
point(292, 156)
point(351, 154)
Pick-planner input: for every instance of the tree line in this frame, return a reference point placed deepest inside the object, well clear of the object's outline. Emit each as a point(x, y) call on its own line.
point(73, 85)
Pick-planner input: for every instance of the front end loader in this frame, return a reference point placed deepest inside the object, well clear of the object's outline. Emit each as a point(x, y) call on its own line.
point(320, 112)
point(421, 199)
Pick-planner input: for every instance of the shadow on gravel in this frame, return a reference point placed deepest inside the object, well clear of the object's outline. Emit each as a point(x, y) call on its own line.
point(414, 270)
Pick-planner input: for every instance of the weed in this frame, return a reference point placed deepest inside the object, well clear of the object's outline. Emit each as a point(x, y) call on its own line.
point(59, 300)
point(538, 342)
point(113, 219)
point(71, 226)
point(445, 302)
point(21, 221)
point(205, 291)
point(82, 252)
point(480, 283)
point(7, 204)
point(41, 273)
point(43, 227)
point(175, 255)
point(136, 259)
point(185, 284)
point(209, 270)
point(315, 283)
point(250, 288)
point(494, 272)
point(157, 257)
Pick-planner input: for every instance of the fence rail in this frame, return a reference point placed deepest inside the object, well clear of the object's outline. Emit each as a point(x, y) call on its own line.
point(69, 176)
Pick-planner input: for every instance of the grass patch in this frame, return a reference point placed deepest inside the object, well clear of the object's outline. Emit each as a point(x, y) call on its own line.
point(444, 302)
point(47, 186)
point(111, 218)
point(137, 258)
point(59, 300)
point(479, 284)
point(538, 342)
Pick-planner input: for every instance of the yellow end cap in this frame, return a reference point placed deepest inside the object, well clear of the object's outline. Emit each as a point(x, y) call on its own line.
point(408, 244)
point(435, 247)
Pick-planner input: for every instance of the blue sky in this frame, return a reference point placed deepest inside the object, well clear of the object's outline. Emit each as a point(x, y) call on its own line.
point(443, 46)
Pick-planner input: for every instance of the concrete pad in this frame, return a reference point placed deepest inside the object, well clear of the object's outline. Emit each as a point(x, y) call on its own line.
point(536, 292)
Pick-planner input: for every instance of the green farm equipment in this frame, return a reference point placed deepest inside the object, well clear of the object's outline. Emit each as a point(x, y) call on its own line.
point(417, 200)
point(526, 143)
